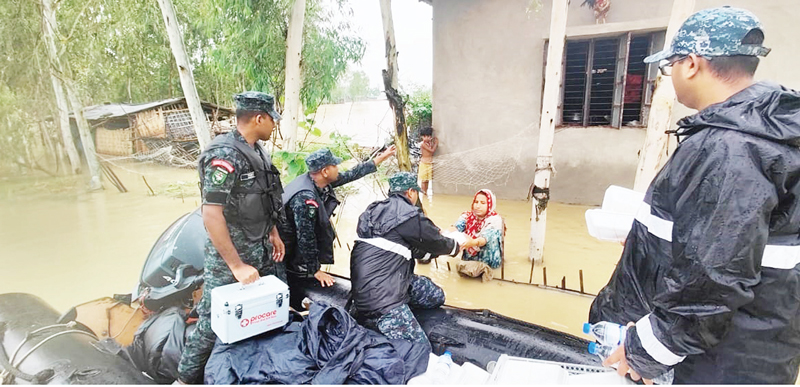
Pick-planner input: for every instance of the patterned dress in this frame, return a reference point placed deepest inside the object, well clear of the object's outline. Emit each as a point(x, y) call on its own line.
point(491, 228)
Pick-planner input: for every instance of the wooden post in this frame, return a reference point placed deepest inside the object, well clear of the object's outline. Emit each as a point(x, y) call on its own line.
point(49, 28)
point(655, 150)
point(390, 84)
point(294, 47)
point(544, 276)
point(544, 159)
point(185, 72)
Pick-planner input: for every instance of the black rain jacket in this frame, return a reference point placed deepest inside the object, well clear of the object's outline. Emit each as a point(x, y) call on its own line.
point(381, 277)
point(710, 270)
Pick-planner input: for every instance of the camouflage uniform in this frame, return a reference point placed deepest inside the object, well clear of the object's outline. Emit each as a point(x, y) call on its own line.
point(221, 169)
point(400, 323)
point(307, 231)
point(305, 208)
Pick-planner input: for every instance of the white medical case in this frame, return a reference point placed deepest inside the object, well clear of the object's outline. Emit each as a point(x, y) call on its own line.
point(242, 311)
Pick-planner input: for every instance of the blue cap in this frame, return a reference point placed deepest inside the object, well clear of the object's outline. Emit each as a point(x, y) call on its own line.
point(714, 32)
point(321, 158)
point(403, 181)
point(587, 328)
point(593, 348)
point(257, 101)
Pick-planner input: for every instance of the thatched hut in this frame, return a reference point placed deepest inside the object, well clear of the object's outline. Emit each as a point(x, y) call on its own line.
point(135, 129)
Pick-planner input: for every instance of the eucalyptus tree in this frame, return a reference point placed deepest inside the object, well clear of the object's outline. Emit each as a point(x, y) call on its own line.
point(248, 39)
point(26, 92)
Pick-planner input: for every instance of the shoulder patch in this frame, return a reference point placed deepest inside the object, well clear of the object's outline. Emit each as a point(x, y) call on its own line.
point(219, 176)
point(222, 164)
point(312, 202)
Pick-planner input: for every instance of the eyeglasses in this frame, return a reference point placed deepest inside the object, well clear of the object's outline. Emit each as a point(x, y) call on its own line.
point(666, 67)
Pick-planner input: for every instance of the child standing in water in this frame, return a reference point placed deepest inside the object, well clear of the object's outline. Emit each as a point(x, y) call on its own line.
point(428, 147)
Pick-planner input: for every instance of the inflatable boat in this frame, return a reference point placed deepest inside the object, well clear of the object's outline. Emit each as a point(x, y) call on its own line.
point(82, 346)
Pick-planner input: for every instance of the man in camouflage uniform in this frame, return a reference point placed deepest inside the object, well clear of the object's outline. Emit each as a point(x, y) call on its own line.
point(241, 205)
point(309, 202)
point(391, 234)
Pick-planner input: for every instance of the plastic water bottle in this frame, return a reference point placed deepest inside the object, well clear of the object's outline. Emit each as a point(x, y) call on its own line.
point(607, 333)
point(609, 336)
point(604, 351)
point(441, 371)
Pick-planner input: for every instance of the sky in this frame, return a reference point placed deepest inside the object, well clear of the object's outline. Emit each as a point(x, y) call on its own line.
point(412, 29)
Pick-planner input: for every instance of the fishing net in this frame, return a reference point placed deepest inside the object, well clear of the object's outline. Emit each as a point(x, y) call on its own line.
point(486, 165)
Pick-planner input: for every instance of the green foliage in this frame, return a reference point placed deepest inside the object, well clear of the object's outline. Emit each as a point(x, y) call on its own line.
point(419, 110)
point(327, 50)
point(25, 89)
point(293, 164)
point(119, 51)
point(250, 47)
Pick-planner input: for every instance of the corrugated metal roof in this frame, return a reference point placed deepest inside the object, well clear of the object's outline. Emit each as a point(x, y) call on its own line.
point(115, 110)
point(105, 111)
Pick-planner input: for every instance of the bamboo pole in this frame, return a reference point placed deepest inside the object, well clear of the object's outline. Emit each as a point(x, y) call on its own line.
point(655, 150)
point(185, 72)
point(544, 159)
point(49, 32)
point(390, 84)
point(294, 47)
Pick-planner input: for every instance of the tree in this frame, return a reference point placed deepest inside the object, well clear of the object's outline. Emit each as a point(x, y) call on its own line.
point(294, 47)
point(118, 51)
point(254, 51)
point(390, 84)
point(26, 91)
point(54, 68)
point(185, 72)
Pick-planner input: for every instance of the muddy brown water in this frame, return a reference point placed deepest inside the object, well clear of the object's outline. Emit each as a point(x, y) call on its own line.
point(68, 246)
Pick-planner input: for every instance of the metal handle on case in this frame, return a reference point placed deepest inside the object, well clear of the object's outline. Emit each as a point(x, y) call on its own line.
point(258, 282)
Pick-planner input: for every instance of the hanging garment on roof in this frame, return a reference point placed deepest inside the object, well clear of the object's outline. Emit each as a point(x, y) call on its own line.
point(329, 347)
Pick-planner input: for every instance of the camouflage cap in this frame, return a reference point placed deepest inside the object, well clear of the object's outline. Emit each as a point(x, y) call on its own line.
point(402, 181)
point(321, 158)
point(714, 32)
point(258, 102)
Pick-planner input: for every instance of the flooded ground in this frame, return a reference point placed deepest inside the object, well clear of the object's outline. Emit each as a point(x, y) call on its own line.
point(69, 246)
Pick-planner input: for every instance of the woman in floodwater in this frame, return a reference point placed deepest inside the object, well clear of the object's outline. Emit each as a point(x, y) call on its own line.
point(484, 228)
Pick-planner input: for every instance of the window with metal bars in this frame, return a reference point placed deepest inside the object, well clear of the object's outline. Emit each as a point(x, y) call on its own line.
point(605, 81)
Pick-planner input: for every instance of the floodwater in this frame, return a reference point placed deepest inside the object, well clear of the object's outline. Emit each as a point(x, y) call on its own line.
point(68, 246)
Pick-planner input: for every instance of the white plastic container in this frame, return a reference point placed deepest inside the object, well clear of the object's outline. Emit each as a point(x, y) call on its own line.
point(517, 370)
point(613, 220)
point(466, 374)
point(521, 371)
point(242, 311)
point(622, 200)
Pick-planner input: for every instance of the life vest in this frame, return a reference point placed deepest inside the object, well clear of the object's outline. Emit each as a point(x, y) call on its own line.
point(254, 209)
point(323, 228)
